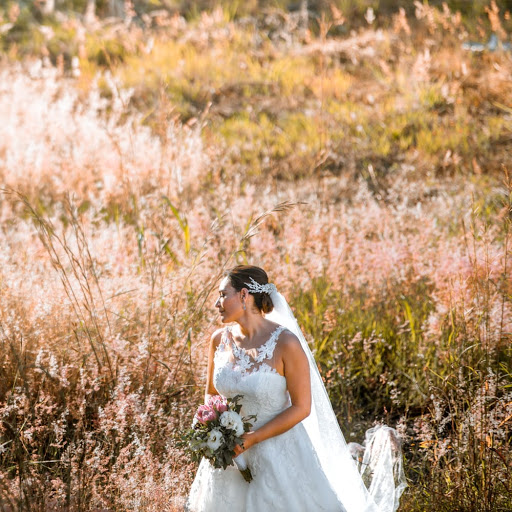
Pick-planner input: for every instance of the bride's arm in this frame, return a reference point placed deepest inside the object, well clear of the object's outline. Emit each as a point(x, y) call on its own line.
point(296, 371)
point(214, 343)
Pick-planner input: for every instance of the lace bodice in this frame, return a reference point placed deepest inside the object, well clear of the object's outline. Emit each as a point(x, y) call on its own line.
point(236, 372)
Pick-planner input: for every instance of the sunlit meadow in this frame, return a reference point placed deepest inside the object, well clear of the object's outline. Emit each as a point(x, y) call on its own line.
point(368, 172)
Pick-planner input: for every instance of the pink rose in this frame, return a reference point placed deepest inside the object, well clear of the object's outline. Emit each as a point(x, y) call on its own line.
point(218, 403)
point(205, 413)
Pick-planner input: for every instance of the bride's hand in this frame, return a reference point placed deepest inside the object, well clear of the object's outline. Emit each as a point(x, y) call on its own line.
point(249, 440)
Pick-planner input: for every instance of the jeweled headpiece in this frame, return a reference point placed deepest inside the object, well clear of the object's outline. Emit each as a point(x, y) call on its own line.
point(255, 287)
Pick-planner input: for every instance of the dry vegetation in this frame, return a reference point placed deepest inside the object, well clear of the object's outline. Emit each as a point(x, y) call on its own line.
point(365, 170)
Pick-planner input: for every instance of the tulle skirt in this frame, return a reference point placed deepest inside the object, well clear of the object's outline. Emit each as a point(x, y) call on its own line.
point(287, 477)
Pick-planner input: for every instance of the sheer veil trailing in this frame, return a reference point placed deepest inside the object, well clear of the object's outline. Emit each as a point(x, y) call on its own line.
point(377, 481)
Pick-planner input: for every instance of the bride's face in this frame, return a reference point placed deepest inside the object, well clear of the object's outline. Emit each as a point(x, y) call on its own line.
point(229, 302)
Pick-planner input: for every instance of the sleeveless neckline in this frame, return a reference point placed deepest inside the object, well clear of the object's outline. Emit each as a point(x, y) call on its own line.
point(246, 363)
point(264, 348)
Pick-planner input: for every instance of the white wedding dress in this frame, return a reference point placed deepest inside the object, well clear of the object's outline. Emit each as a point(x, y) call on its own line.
point(309, 468)
point(287, 475)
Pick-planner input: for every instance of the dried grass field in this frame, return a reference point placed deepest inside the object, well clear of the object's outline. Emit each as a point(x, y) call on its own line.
point(368, 169)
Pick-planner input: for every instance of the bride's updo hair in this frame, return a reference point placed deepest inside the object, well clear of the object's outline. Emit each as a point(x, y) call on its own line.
point(241, 274)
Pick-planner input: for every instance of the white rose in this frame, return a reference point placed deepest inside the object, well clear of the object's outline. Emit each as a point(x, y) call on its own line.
point(232, 420)
point(214, 439)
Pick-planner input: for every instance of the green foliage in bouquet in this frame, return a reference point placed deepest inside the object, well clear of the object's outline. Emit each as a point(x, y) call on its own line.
point(210, 437)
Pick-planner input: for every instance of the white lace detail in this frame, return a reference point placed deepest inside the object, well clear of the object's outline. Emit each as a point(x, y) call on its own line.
point(243, 361)
point(266, 368)
point(247, 364)
point(266, 351)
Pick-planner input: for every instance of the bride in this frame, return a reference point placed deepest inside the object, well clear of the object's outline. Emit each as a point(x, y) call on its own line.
point(296, 452)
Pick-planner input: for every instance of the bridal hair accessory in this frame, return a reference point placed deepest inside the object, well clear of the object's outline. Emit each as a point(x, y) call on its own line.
point(255, 287)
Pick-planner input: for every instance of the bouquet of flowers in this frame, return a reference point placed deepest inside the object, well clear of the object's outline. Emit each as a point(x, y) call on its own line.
point(216, 430)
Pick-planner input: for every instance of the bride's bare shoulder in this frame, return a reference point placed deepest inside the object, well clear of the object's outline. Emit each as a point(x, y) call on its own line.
point(288, 342)
point(216, 337)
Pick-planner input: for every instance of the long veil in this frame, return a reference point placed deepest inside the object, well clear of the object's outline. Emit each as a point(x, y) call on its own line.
point(381, 464)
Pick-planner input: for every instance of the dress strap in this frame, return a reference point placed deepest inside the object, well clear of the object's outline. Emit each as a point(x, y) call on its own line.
point(266, 351)
point(226, 341)
point(227, 337)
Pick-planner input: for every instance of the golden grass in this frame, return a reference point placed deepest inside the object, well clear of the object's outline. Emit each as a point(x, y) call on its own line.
point(134, 185)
